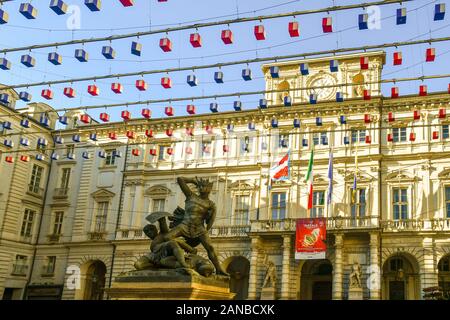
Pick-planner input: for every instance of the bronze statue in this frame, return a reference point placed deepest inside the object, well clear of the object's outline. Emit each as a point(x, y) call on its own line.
point(187, 230)
point(199, 209)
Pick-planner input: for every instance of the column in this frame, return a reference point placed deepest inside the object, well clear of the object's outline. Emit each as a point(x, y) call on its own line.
point(253, 276)
point(286, 267)
point(374, 272)
point(337, 270)
point(428, 272)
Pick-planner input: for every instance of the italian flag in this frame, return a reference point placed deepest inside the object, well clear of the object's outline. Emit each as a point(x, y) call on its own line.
point(309, 178)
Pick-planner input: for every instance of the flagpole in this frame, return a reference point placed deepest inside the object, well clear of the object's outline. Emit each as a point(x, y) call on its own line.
point(330, 182)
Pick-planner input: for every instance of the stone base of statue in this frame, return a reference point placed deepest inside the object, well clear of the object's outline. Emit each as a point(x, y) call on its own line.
point(355, 294)
point(268, 293)
point(169, 284)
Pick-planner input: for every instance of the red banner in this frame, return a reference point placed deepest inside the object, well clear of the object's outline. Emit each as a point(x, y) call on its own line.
point(310, 237)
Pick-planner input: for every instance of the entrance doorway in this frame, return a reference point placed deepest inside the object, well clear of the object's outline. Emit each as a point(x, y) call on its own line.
point(401, 278)
point(93, 279)
point(396, 290)
point(316, 281)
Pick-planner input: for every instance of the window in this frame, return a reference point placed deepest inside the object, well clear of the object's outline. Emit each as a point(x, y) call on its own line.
point(49, 268)
point(57, 223)
point(444, 264)
point(100, 218)
point(445, 131)
point(158, 205)
point(70, 149)
point(318, 204)
point(21, 265)
point(358, 206)
point(400, 203)
point(241, 210)
point(42, 148)
point(205, 149)
point(246, 145)
point(447, 201)
point(399, 134)
point(27, 223)
point(161, 155)
point(65, 178)
point(358, 135)
point(319, 137)
point(396, 264)
point(35, 181)
point(110, 160)
point(283, 141)
point(278, 205)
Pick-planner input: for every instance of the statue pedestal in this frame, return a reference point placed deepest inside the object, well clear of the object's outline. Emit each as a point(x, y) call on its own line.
point(355, 294)
point(169, 284)
point(268, 293)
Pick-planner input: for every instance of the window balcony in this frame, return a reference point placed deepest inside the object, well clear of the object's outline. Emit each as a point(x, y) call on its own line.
point(333, 224)
point(230, 231)
point(97, 235)
point(19, 270)
point(54, 237)
point(439, 224)
point(131, 234)
point(336, 223)
point(35, 190)
point(61, 193)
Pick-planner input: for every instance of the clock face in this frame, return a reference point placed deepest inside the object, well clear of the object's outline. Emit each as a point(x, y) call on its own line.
point(323, 93)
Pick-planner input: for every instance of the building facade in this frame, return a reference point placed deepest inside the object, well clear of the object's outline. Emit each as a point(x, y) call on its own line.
point(396, 224)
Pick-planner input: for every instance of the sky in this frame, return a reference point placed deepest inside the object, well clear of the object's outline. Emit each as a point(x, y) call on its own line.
point(145, 15)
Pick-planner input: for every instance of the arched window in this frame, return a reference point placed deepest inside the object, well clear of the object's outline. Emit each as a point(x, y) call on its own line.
point(284, 88)
point(358, 88)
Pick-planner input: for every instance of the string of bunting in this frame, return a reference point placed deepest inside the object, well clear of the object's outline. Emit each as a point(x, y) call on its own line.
point(319, 138)
point(227, 36)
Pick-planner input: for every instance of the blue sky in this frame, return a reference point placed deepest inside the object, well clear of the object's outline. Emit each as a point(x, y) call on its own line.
point(145, 15)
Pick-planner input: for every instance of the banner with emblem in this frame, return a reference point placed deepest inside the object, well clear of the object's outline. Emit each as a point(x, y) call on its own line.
point(310, 239)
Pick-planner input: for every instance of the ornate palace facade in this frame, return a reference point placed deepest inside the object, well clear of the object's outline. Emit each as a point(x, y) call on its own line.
point(90, 214)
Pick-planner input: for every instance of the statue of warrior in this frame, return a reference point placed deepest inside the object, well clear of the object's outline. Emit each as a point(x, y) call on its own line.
point(190, 223)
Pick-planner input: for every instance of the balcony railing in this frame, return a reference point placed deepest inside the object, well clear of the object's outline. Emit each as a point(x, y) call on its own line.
point(97, 235)
point(35, 190)
point(20, 269)
point(439, 224)
point(333, 223)
point(289, 224)
point(61, 193)
point(230, 231)
point(54, 237)
point(352, 222)
point(131, 234)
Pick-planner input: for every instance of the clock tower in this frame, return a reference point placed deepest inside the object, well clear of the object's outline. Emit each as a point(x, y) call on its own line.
point(335, 74)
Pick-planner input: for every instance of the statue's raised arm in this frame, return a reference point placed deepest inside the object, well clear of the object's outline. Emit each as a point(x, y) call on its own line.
point(182, 182)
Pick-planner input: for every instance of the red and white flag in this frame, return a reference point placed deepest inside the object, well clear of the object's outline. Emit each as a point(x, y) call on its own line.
point(280, 171)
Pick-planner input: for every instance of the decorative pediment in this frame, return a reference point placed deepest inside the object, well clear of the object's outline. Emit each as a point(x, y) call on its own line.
point(282, 183)
point(103, 194)
point(360, 177)
point(241, 185)
point(400, 177)
point(320, 180)
point(444, 174)
point(158, 191)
